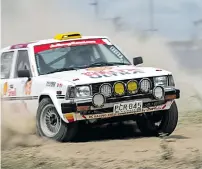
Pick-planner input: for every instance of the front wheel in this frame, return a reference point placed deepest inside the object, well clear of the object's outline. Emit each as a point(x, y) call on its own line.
point(162, 122)
point(49, 124)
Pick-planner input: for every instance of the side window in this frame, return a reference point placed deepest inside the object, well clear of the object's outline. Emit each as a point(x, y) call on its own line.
point(6, 64)
point(22, 62)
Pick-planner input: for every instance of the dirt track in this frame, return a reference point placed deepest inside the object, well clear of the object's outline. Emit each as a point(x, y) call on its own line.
point(117, 149)
point(21, 149)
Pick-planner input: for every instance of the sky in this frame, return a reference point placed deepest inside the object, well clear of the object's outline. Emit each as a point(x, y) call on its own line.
point(173, 19)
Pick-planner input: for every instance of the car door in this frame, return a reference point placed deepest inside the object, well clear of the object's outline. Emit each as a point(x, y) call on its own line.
point(24, 83)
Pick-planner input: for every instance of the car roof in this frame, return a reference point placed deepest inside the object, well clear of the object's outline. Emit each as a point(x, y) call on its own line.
point(45, 41)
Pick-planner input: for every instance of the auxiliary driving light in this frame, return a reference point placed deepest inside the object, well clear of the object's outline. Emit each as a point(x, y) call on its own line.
point(145, 85)
point(132, 86)
point(106, 90)
point(98, 100)
point(119, 88)
point(158, 92)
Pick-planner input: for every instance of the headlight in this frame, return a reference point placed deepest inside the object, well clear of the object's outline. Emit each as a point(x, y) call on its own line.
point(98, 100)
point(132, 86)
point(83, 91)
point(171, 81)
point(161, 81)
point(145, 85)
point(106, 90)
point(158, 92)
point(119, 88)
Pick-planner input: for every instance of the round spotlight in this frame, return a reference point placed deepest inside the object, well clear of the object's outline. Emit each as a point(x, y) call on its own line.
point(145, 85)
point(158, 92)
point(98, 100)
point(119, 88)
point(106, 90)
point(132, 86)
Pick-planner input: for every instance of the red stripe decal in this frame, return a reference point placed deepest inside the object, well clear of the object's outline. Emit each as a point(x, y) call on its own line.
point(40, 48)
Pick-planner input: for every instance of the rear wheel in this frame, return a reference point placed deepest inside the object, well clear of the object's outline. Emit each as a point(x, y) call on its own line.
point(162, 122)
point(49, 124)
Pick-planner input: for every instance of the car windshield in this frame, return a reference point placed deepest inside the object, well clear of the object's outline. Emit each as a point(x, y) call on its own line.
point(73, 55)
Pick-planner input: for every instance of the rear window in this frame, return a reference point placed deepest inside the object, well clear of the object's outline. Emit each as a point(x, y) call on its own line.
point(6, 64)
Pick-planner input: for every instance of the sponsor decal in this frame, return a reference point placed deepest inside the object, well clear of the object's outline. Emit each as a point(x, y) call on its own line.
point(28, 87)
point(11, 86)
point(98, 69)
point(40, 48)
point(53, 84)
point(108, 115)
point(116, 52)
point(59, 85)
point(75, 79)
point(50, 84)
point(84, 42)
point(69, 117)
point(83, 108)
point(5, 88)
point(110, 73)
point(163, 107)
point(12, 92)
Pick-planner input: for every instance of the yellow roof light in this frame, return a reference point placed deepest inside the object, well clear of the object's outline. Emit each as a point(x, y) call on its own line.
point(69, 35)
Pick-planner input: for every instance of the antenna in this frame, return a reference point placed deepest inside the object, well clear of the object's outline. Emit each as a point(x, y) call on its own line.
point(151, 16)
point(96, 7)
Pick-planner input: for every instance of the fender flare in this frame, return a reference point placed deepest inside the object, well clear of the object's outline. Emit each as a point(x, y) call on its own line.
point(51, 94)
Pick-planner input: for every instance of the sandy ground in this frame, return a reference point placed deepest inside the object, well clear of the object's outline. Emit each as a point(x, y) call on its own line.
point(121, 147)
point(113, 147)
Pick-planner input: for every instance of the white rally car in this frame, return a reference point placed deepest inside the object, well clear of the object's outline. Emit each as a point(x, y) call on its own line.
point(72, 79)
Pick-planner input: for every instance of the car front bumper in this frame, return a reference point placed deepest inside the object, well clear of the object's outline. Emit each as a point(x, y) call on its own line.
point(83, 109)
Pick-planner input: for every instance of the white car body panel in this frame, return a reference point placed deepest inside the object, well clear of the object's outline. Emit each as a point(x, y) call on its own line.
point(79, 76)
point(63, 79)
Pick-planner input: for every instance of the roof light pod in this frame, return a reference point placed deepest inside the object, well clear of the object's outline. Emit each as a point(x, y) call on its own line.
point(69, 35)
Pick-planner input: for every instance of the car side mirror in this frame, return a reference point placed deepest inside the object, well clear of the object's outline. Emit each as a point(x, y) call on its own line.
point(23, 73)
point(137, 60)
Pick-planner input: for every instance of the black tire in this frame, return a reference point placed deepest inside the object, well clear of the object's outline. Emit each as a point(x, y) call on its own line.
point(168, 123)
point(66, 131)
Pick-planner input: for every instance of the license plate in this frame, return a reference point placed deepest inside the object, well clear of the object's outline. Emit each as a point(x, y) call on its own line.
point(129, 107)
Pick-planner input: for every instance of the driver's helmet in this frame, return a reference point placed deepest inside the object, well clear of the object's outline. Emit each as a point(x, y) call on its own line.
point(80, 56)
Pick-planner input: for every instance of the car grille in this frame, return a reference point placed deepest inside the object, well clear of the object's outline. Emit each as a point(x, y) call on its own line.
point(96, 86)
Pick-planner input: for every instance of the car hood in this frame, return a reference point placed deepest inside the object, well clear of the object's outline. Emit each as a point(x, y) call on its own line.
point(109, 73)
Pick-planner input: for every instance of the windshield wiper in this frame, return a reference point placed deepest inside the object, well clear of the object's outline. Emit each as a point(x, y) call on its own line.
point(61, 70)
point(106, 64)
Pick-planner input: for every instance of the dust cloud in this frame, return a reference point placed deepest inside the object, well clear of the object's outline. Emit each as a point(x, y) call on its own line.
point(18, 127)
point(31, 20)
